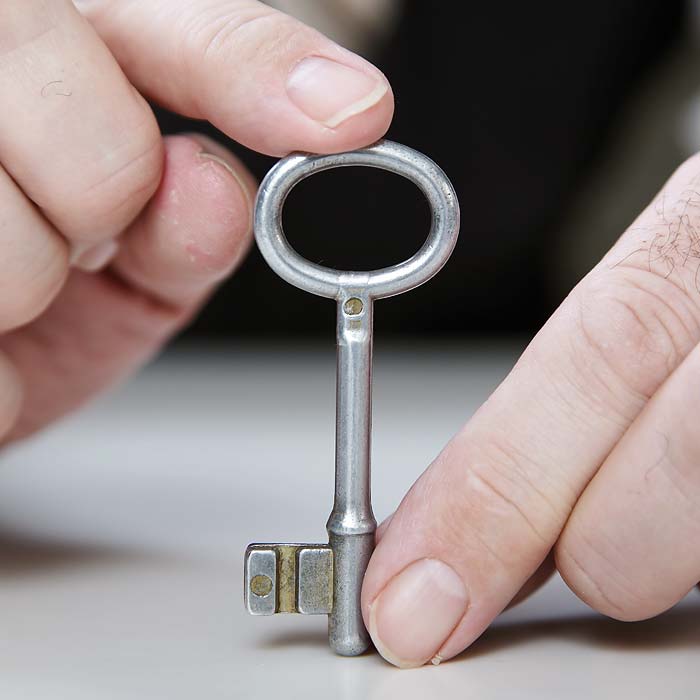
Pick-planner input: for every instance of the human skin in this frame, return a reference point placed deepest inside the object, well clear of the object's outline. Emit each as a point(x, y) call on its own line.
point(584, 459)
point(117, 235)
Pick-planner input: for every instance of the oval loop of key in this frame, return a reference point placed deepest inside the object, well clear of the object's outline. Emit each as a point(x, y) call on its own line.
point(375, 284)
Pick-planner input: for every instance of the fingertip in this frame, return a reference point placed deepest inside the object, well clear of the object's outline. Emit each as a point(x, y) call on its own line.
point(346, 100)
point(215, 151)
point(206, 197)
point(361, 129)
point(197, 227)
point(416, 612)
point(436, 609)
point(304, 92)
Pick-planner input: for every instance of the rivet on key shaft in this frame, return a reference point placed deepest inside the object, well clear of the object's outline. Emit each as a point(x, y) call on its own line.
point(353, 306)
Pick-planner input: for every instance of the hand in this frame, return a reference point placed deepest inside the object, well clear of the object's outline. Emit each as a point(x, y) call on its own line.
point(586, 458)
point(86, 179)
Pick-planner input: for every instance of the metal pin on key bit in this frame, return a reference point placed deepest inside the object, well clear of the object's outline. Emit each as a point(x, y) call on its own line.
point(326, 579)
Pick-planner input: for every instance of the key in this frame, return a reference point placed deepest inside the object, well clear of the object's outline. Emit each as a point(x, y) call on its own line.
point(326, 579)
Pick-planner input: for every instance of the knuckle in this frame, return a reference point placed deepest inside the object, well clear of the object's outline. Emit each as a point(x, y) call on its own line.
point(253, 30)
point(595, 573)
point(640, 308)
point(492, 498)
point(103, 200)
point(507, 483)
point(120, 193)
point(640, 324)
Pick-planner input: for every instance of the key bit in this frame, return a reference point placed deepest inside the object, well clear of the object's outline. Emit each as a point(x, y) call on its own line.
point(319, 579)
point(289, 578)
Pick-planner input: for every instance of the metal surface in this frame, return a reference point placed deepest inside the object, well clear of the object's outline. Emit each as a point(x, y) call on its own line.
point(351, 525)
point(315, 580)
point(288, 578)
point(261, 563)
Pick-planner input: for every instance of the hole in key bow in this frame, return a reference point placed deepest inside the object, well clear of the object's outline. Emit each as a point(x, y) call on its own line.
point(356, 218)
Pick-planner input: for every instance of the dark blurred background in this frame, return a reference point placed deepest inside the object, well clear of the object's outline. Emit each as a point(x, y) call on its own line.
point(555, 121)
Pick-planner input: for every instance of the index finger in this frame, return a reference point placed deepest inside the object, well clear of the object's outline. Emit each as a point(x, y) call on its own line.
point(488, 511)
point(260, 76)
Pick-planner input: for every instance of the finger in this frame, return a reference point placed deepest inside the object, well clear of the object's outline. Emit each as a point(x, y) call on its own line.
point(77, 348)
point(34, 262)
point(260, 76)
point(382, 527)
point(75, 135)
point(532, 585)
point(630, 548)
point(175, 253)
point(11, 395)
point(483, 517)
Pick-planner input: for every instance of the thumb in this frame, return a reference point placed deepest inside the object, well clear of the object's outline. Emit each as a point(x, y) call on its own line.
point(260, 76)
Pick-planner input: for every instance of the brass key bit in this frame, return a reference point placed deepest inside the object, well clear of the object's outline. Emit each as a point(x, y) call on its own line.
point(291, 578)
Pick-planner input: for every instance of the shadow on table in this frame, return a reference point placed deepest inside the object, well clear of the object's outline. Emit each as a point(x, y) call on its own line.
point(677, 629)
point(312, 639)
point(22, 555)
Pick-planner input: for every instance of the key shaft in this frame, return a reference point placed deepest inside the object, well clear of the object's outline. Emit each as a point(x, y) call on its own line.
point(352, 525)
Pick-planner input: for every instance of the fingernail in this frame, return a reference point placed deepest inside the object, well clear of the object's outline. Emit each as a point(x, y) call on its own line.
point(94, 258)
point(206, 156)
point(416, 612)
point(245, 191)
point(330, 92)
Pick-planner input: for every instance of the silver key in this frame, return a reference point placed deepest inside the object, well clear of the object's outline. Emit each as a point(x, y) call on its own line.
point(326, 579)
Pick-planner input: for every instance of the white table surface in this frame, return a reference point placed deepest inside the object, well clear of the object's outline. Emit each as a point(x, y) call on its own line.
point(122, 532)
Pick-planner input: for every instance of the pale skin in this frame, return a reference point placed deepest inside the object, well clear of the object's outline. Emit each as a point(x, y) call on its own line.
point(585, 457)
